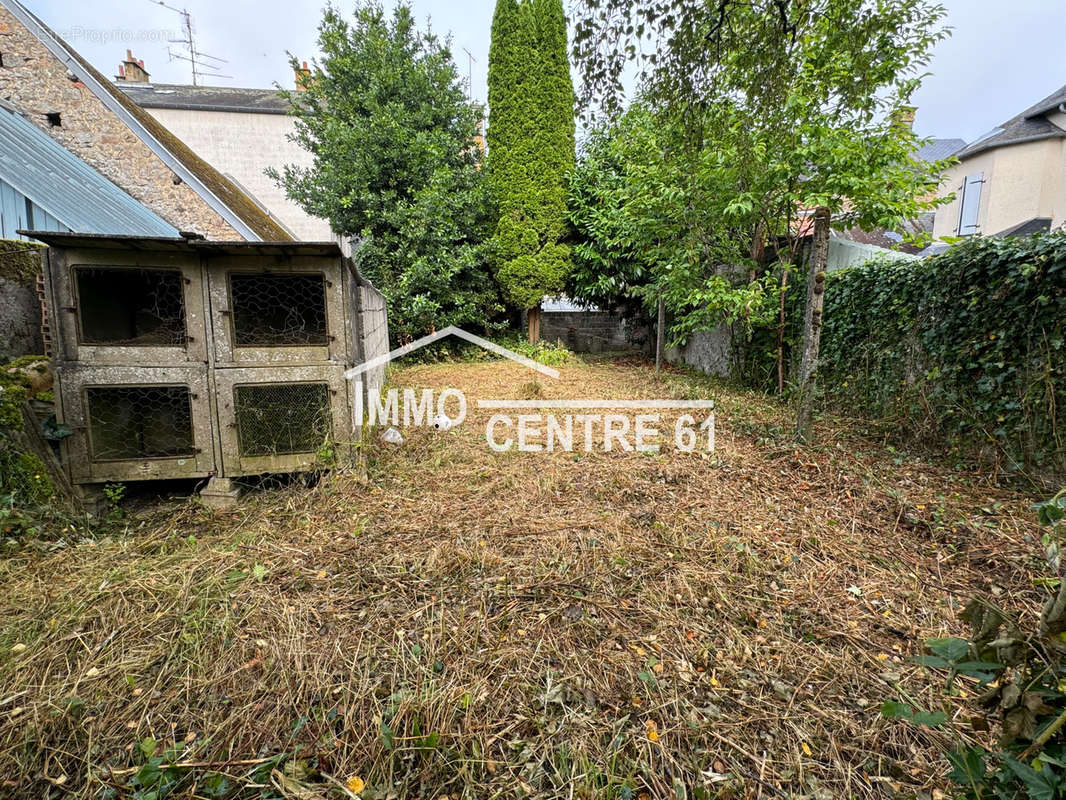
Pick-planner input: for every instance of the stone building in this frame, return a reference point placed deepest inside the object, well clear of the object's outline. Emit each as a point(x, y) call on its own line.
point(61, 94)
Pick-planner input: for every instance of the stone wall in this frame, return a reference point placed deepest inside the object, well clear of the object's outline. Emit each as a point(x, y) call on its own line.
point(584, 331)
point(38, 84)
point(20, 307)
point(707, 351)
point(241, 146)
point(20, 321)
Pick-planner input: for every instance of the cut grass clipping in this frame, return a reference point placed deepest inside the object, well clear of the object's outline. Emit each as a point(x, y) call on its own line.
point(475, 624)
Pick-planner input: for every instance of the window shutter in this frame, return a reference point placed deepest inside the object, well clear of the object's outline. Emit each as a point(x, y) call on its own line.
point(971, 204)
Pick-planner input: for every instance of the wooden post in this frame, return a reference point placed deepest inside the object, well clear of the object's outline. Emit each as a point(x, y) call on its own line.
point(660, 336)
point(812, 324)
point(533, 320)
point(785, 265)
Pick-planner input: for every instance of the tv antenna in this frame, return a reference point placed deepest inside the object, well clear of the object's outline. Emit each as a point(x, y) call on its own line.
point(469, 75)
point(204, 65)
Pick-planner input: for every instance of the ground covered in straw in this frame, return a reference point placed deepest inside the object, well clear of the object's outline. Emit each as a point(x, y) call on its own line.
point(455, 621)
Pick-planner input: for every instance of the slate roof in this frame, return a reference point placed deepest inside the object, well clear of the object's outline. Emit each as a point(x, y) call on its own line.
point(207, 181)
point(890, 240)
point(59, 182)
point(1027, 228)
point(204, 98)
point(940, 148)
point(1029, 126)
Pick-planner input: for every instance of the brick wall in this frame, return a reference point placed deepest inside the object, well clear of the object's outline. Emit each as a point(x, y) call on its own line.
point(38, 84)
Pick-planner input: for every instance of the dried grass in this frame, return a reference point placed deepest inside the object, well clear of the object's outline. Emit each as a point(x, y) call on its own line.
point(465, 623)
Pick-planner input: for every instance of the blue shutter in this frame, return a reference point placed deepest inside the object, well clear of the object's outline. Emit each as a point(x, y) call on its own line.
point(971, 204)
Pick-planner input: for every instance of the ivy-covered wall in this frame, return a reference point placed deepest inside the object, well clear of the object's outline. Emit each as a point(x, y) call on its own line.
point(967, 348)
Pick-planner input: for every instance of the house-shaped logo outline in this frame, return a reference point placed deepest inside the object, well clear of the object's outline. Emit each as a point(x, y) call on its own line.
point(451, 330)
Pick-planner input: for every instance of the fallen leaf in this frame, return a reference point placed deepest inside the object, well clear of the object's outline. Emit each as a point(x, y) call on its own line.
point(806, 748)
point(18, 648)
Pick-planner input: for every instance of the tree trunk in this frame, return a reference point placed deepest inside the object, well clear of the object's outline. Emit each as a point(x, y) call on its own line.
point(660, 336)
point(758, 250)
point(781, 328)
point(812, 324)
point(533, 319)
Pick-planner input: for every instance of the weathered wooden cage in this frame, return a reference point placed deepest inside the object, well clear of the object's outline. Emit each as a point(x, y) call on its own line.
point(186, 358)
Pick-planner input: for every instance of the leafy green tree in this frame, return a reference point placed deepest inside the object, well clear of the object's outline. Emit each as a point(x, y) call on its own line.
point(531, 149)
point(654, 224)
point(397, 167)
point(774, 108)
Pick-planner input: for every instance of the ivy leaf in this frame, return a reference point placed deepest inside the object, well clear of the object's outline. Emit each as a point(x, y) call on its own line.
point(891, 709)
point(951, 649)
point(968, 766)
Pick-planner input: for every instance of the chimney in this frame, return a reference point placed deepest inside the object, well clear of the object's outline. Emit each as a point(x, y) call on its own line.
point(132, 70)
point(303, 76)
point(904, 116)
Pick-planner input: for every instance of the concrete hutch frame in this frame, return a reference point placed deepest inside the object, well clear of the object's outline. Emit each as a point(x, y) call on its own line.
point(187, 358)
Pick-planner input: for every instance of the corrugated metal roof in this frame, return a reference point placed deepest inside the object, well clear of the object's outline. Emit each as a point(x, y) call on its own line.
point(66, 187)
point(243, 214)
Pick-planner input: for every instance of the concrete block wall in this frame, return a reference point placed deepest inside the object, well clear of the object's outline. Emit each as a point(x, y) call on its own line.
point(374, 338)
point(584, 331)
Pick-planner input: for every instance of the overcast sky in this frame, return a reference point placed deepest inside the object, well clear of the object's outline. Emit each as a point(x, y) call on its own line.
point(1003, 56)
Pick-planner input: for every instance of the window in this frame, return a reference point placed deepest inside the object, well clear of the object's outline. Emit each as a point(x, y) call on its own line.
point(131, 307)
point(970, 207)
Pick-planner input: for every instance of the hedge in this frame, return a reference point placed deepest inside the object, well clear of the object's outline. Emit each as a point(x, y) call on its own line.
point(966, 347)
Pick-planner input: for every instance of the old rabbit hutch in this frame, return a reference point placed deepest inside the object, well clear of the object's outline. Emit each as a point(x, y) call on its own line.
point(186, 358)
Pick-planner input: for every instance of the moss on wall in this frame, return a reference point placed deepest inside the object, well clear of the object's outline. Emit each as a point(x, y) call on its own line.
point(20, 261)
point(24, 481)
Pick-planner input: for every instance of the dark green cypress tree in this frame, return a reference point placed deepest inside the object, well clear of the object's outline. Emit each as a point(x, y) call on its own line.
point(531, 149)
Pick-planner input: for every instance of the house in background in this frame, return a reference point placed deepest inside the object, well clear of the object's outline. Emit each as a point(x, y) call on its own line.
point(240, 132)
point(63, 97)
point(1011, 181)
point(854, 245)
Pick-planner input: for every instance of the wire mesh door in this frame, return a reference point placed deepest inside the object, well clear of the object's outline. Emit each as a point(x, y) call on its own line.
point(289, 315)
point(280, 419)
point(126, 309)
point(136, 423)
point(278, 310)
